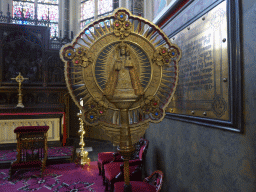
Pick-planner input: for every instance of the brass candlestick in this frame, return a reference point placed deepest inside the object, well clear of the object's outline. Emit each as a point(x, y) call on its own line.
point(20, 79)
point(82, 155)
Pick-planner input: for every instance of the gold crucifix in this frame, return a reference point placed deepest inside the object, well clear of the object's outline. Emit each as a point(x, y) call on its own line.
point(19, 79)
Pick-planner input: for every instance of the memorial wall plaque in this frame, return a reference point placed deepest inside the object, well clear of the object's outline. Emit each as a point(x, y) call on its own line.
point(204, 89)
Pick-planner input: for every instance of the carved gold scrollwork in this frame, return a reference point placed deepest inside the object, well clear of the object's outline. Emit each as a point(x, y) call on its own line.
point(122, 27)
point(163, 56)
point(151, 106)
point(82, 57)
point(173, 53)
point(69, 54)
point(95, 111)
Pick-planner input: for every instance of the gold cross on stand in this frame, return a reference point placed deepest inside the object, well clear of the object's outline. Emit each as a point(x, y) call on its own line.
point(19, 79)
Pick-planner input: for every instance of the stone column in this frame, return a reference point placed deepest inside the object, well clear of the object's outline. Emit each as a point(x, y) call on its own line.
point(123, 3)
point(61, 18)
point(66, 18)
point(138, 7)
point(96, 10)
point(149, 9)
point(74, 20)
point(4, 6)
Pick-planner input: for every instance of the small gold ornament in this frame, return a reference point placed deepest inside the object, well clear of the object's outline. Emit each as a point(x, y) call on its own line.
point(164, 56)
point(151, 106)
point(69, 54)
point(80, 51)
point(122, 27)
point(95, 110)
point(121, 16)
point(173, 53)
point(82, 57)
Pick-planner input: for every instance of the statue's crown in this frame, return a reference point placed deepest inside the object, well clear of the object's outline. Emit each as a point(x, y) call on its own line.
point(122, 45)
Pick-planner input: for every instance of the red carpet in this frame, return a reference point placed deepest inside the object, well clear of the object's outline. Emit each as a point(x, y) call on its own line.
point(61, 177)
point(10, 155)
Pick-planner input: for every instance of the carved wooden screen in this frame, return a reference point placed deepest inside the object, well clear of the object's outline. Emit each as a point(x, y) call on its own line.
point(25, 49)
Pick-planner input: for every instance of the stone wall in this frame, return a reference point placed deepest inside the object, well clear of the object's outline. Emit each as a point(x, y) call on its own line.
point(199, 158)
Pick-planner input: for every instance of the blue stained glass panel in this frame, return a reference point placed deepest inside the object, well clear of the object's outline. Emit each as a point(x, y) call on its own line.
point(87, 9)
point(103, 23)
point(26, 9)
point(84, 23)
point(54, 27)
point(104, 6)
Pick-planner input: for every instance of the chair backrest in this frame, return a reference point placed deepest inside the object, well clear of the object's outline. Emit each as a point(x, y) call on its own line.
point(140, 149)
point(156, 179)
point(143, 150)
point(136, 175)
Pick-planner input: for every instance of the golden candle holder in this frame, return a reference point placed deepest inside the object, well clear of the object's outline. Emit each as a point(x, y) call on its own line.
point(82, 155)
point(20, 79)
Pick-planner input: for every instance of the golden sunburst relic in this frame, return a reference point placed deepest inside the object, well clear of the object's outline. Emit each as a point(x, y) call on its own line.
point(121, 56)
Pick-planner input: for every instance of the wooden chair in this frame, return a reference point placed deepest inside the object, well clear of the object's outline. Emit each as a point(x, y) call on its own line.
point(114, 171)
point(107, 157)
point(31, 148)
point(153, 183)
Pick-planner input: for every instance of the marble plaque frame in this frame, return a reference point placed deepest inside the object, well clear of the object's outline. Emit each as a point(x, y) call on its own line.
point(234, 118)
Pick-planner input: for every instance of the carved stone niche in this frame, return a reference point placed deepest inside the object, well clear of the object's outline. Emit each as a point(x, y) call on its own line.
point(3, 99)
point(29, 98)
point(55, 68)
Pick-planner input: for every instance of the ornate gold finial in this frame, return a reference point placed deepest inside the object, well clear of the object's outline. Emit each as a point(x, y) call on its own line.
point(122, 27)
point(20, 79)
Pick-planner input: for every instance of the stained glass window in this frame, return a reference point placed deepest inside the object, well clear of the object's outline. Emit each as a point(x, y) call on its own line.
point(45, 9)
point(105, 7)
point(54, 28)
point(56, 2)
point(87, 9)
point(23, 9)
point(84, 23)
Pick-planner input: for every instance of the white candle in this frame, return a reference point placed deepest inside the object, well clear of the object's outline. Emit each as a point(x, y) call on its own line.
point(81, 103)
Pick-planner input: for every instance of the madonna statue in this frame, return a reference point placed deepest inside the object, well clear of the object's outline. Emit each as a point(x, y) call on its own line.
point(123, 79)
